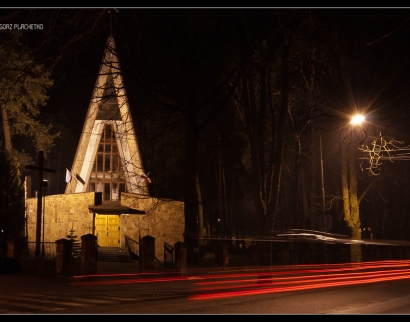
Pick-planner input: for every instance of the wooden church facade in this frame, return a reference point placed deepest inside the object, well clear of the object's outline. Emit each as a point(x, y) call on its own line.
point(107, 193)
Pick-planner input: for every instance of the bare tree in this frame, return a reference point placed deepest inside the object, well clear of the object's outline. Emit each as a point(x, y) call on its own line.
point(383, 149)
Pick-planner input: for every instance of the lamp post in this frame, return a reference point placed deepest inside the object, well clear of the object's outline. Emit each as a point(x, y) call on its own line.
point(40, 170)
point(349, 186)
point(44, 184)
point(356, 120)
point(1, 244)
point(323, 194)
point(323, 184)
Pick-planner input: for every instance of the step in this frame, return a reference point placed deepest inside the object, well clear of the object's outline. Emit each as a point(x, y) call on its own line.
point(113, 254)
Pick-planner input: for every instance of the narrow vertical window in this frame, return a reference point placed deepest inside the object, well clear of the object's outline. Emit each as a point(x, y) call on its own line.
point(100, 162)
point(107, 191)
point(107, 165)
point(115, 192)
point(107, 175)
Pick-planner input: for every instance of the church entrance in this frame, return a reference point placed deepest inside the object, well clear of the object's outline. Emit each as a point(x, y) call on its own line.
point(107, 230)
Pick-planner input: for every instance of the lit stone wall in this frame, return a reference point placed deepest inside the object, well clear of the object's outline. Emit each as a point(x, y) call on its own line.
point(61, 213)
point(164, 220)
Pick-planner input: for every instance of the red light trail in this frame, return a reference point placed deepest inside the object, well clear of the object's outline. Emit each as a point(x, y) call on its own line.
point(264, 280)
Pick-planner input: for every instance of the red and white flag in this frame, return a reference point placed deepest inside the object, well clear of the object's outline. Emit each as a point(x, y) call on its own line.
point(145, 178)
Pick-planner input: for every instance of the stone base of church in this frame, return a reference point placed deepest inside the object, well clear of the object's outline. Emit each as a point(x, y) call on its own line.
point(163, 219)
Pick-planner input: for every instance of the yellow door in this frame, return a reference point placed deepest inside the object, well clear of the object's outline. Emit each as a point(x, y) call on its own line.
point(107, 230)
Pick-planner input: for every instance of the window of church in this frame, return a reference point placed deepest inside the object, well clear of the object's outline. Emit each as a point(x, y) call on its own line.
point(115, 192)
point(107, 163)
point(107, 191)
point(107, 175)
point(100, 162)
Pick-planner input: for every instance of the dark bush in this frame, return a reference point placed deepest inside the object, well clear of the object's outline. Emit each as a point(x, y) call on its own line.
point(9, 266)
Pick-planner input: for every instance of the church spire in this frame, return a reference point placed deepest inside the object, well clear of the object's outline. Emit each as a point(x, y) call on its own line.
point(111, 12)
point(108, 142)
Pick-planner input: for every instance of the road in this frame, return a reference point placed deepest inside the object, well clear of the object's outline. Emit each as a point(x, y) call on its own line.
point(367, 288)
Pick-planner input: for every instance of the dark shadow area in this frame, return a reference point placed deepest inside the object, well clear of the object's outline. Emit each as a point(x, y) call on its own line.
point(9, 266)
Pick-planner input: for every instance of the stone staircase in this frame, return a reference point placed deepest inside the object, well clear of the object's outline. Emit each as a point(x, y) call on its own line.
point(113, 254)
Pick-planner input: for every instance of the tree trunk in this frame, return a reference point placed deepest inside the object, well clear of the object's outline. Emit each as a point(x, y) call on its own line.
point(190, 195)
point(350, 203)
point(221, 207)
point(275, 181)
point(295, 223)
point(6, 128)
point(355, 249)
point(200, 213)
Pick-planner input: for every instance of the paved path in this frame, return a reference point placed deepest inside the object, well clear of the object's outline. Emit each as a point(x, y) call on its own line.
point(117, 267)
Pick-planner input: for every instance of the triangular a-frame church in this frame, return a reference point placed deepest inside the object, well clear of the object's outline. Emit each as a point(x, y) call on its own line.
point(106, 193)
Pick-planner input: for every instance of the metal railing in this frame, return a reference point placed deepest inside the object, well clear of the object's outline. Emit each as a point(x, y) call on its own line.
point(133, 247)
point(47, 250)
point(168, 255)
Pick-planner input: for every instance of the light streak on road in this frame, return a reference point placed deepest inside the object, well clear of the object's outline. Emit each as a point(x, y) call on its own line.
point(387, 271)
point(231, 282)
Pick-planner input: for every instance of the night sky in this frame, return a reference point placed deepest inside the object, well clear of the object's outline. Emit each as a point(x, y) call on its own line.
point(155, 44)
point(72, 43)
point(376, 36)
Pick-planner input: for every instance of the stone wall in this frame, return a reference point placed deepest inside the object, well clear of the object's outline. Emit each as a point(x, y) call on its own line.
point(164, 220)
point(61, 213)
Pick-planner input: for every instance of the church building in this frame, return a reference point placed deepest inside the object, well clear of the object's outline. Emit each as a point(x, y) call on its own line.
point(107, 188)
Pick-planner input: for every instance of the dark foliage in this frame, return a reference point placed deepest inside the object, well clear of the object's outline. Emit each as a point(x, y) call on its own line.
point(76, 245)
point(12, 209)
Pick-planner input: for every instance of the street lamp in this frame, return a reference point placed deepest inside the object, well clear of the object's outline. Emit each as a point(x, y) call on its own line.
point(357, 119)
point(349, 186)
